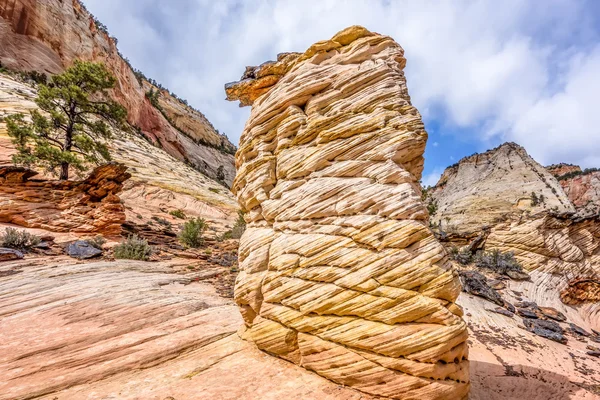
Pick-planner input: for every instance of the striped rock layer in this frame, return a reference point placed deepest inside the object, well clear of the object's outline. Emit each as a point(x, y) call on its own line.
point(340, 273)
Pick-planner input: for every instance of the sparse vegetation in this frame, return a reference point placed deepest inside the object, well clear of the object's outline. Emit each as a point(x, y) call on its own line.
point(161, 221)
point(238, 228)
point(20, 240)
point(534, 199)
point(462, 256)
point(214, 190)
point(134, 248)
point(497, 261)
point(74, 125)
point(192, 232)
point(221, 173)
point(177, 214)
point(432, 208)
point(574, 174)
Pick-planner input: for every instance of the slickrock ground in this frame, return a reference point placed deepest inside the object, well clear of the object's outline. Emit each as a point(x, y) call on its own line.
point(159, 182)
point(339, 272)
point(154, 331)
point(47, 36)
point(484, 189)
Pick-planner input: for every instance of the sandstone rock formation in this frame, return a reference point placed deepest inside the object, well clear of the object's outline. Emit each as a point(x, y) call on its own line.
point(483, 189)
point(47, 36)
point(340, 273)
point(582, 187)
point(89, 206)
point(159, 182)
point(485, 201)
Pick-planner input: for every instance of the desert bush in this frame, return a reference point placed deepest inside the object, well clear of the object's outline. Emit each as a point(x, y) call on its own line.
point(177, 214)
point(192, 231)
point(462, 256)
point(238, 228)
point(134, 248)
point(21, 240)
point(497, 261)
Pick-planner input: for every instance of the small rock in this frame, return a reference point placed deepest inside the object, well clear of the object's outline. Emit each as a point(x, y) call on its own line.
point(593, 353)
point(510, 307)
point(592, 348)
point(526, 313)
point(578, 330)
point(553, 313)
point(475, 283)
point(517, 276)
point(503, 311)
point(546, 329)
point(10, 254)
point(497, 285)
point(47, 238)
point(595, 338)
point(82, 250)
point(42, 246)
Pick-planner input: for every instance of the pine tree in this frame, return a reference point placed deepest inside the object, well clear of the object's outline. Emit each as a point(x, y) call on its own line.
point(74, 122)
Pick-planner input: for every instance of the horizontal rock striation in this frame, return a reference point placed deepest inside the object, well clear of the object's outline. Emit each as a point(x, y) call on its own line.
point(89, 206)
point(339, 271)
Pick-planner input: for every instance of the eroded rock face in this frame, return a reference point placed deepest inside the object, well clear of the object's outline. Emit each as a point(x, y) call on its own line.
point(339, 270)
point(48, 35)
point(89, 206)
point(485, 189)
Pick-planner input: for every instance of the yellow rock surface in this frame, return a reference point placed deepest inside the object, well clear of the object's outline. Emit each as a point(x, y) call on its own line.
point(339, 270)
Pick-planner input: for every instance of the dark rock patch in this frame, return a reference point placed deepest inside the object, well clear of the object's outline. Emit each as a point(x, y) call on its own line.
point(82, 250)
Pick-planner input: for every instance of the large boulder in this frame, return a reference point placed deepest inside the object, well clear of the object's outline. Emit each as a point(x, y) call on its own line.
point(340, 272)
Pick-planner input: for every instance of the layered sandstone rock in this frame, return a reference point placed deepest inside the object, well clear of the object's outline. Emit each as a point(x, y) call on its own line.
point(339, 270)
point(47, 36)
point(582, 187)
point(159, 183)
point(484, 189)
point(89, 206)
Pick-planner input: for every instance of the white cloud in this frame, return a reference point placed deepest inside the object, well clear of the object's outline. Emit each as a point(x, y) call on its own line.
point(432, 178)
point(510, 69)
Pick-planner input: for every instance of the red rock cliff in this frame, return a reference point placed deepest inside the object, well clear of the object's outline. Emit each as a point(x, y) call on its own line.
point(48, 35)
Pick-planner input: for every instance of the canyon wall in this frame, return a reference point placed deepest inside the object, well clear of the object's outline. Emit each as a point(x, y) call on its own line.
point(339, 271)
point(47, 36)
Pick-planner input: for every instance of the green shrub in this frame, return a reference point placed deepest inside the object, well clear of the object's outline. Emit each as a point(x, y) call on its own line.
point(134, 248)
point(21, 240)
point(237, 230)
point(498, 262)
point(161, 221)
point(177, 214)
point(192, 231)
point(461, 256)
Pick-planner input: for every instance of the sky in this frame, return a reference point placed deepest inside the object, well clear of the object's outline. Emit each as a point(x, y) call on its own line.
point(480, 72)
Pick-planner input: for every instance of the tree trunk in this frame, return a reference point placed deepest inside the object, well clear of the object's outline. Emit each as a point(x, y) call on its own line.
point(64, 171)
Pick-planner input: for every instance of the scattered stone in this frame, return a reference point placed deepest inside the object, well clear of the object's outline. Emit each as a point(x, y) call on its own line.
point(82, 250)
point(509, 307)
point(503, 311)
point(593, 353)
point(475, 283)
point(592, 348)
point(10, 254)
point(578, 330)
point(47, 238)
point(42, 246)
point(497, 284)
point(546, 329)
point(553, 313)
point(526, 313)
point(517, 275)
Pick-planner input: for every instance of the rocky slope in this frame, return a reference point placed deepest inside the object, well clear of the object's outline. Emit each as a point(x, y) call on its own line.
point(582, 187)
point(159, 183)
point(339, 272)
point(47, 36)
point(558, 249)
point(484, 189)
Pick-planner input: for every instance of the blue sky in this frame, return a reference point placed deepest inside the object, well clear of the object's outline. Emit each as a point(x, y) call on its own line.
point(480, 72)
